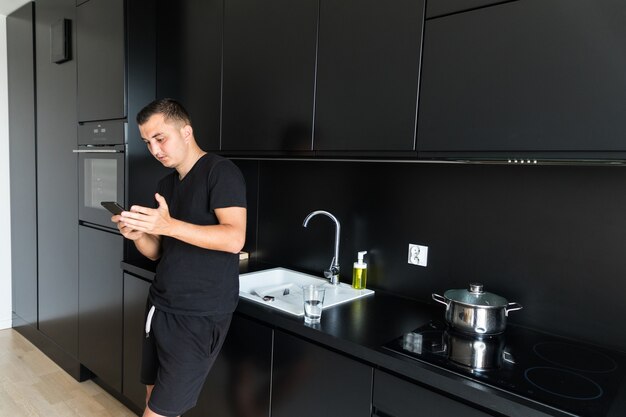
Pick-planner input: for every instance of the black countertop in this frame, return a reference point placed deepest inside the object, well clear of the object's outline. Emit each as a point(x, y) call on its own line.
point(360, 328)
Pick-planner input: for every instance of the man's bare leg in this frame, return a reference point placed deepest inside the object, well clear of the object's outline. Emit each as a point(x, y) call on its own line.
point(149, 389)
point(147, 412)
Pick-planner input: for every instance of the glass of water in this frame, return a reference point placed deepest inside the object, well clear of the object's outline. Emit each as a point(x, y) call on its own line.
point(313, 296)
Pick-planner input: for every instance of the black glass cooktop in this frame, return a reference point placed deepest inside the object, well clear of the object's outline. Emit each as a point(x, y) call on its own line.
point(573, 377)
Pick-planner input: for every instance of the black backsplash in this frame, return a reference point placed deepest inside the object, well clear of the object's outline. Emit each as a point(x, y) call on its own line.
point(552, 238)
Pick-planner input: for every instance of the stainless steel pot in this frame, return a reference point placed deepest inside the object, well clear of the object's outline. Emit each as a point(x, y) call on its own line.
point(474, 311)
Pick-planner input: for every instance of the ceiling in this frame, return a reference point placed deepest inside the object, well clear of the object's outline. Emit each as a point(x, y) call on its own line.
point(8, 6)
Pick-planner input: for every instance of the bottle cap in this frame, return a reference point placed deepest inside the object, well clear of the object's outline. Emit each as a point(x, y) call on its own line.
point(360, 262)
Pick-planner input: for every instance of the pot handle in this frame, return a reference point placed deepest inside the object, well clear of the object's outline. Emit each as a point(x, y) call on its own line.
point(440, 299)
point(438, 348)
point(512, 307)
point(507, 357)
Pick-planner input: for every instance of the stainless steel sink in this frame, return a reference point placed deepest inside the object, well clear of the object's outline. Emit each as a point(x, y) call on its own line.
point(281, 289)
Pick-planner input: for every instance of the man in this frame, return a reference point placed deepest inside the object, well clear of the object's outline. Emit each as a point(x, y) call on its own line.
point(196, 232)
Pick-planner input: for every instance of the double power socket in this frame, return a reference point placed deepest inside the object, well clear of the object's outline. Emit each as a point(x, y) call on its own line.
point(418, 254)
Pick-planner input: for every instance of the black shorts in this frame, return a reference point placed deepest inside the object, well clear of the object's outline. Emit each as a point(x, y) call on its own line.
point(177, 357)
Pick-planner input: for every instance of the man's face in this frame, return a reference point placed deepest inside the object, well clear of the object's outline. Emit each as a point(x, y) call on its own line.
point(166, 140)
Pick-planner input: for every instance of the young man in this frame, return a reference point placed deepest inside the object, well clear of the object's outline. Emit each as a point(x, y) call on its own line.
point(196, 231)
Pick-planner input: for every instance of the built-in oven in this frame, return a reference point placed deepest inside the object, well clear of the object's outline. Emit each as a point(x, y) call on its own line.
point(100, 169)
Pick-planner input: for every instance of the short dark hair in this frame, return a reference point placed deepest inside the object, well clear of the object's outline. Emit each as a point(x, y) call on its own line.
point(168, 107)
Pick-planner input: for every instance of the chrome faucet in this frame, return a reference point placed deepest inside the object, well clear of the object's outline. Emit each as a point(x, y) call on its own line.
point(332, 273)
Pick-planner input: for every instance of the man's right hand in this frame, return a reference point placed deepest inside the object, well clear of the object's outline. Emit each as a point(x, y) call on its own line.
point(149, 245)
point(126, 230)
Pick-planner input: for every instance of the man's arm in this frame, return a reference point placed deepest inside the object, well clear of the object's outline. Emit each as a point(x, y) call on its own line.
point(149, 246)
point(227, 236)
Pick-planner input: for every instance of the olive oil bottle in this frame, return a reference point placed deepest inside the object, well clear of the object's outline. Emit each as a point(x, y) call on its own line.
point(359, 272)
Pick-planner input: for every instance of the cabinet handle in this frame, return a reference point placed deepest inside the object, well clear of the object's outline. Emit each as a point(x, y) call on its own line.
point(96, 151)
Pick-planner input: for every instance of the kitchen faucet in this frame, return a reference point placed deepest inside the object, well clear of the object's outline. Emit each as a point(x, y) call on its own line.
point(332, 273)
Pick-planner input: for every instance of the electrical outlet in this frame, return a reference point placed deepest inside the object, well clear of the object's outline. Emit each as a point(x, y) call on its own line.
point(418, 255)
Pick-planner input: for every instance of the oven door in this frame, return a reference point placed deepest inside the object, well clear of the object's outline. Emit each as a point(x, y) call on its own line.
point(100, 178)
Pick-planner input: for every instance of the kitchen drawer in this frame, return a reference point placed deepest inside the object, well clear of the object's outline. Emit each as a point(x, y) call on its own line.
point(395, 397)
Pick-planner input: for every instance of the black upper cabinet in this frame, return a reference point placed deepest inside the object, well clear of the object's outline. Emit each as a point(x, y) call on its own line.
point(189, 48)
point(437, 8)
point(526, 77)
point(101, 60)
point(368, 75)
point(269, 74)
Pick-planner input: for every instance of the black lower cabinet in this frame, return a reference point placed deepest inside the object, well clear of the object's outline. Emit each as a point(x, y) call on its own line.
point(239, 383)
point(100, 304)
point(309, 380)
point(395, 397)
point(135, 296)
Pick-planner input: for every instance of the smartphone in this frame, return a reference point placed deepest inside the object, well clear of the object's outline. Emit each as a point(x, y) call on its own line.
point(113, 207)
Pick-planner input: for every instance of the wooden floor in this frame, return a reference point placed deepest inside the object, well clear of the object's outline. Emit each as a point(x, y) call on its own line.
point(32, 385)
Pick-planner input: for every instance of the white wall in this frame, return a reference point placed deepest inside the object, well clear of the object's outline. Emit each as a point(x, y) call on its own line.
point(5, 207)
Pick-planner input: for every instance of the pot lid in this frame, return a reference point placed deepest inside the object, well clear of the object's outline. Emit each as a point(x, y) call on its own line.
point(475, 296)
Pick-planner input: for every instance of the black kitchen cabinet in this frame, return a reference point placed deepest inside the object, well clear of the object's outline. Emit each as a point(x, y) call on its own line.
point(142, 170)
point(269, 75)
point(309, 380)
point(101, 60)
point(135, 297)
point(20, 29)
point(368, 75)
point(239, 382)
point(444, 7)
point(395, 397)
point(100, 304)
point(523, 78)
point(189, 62)
point(57, 184)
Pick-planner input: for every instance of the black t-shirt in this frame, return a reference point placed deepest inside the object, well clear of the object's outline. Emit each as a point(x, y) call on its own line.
point(189, 279)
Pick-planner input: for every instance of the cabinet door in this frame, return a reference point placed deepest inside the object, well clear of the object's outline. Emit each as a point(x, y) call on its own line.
point(368, 74)
point(395, 397)
point(189, 62)
point(444, 7)
point(311, 381)
point(101, 61)
point(21, 93)
point(135, 297)
point(100, 303)
point(239, 382)
point(269, 74)
point(57, 184)
point(531, 76)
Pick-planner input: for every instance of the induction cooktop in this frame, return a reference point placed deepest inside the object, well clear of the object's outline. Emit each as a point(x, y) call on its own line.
point(574, 377)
